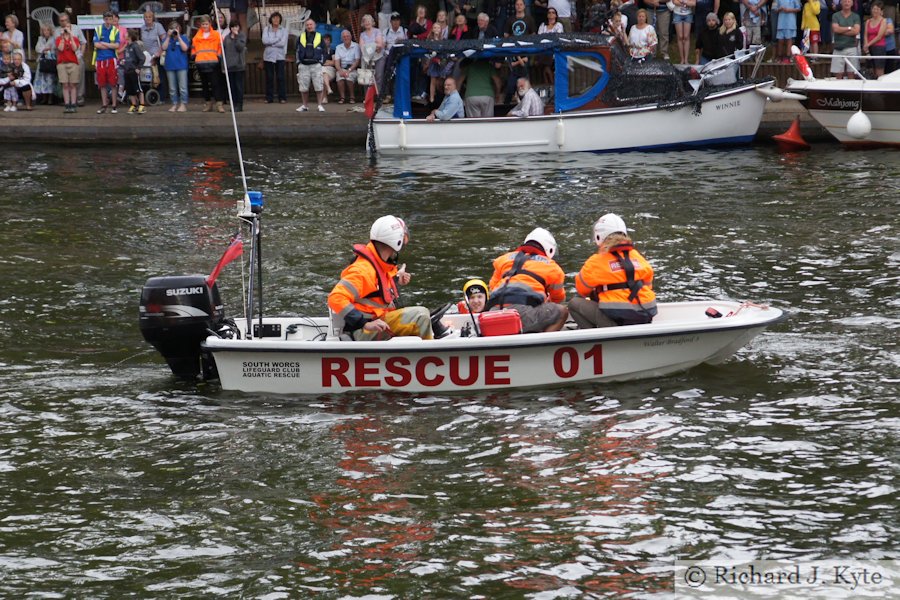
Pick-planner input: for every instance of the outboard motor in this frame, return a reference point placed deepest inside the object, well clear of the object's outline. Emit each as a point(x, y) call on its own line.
point(177, 313)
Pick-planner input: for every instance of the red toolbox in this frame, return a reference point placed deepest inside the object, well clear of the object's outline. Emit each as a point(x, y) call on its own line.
point(500, 322)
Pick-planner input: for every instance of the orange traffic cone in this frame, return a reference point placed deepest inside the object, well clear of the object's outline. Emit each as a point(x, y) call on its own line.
point(791, 140)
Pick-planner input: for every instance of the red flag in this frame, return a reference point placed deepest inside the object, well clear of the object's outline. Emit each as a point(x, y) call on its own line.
point(235, 249)
point(370, 101)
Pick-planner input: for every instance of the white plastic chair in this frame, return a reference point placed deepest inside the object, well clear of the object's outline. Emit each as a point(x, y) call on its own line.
point(156, 7)
point(46, 14)
point(294, 28)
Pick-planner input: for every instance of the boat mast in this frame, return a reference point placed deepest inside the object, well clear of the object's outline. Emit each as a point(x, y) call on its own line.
point(250, 206)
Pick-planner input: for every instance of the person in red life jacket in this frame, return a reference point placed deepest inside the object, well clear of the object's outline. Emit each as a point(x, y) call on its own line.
point(365, 300)
point(529, 281)
point(476, 293)
point(615, 285)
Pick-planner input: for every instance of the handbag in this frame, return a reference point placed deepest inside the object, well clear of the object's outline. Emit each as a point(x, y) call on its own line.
point(365, 77)
point(47, 65)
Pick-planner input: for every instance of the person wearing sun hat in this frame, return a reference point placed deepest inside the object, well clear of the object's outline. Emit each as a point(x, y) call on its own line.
point(476, 296)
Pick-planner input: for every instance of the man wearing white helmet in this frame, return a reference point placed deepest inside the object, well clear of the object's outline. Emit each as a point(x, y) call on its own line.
point(365, 299)
point(529, 281)
point(615, 285)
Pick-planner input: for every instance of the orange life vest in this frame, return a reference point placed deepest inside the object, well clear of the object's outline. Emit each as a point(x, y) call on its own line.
point(462, 307)
point(526, 276)
point(621, 282)
point(387, 291)
point(366, 291)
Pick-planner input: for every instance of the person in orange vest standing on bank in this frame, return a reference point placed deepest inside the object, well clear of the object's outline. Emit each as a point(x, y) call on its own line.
point(615, 285)
point(365, 302)
point(206, 48)
point(529, 281)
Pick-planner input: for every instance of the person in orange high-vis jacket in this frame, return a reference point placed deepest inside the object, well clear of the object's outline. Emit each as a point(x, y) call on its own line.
point(364, 302)
point(615, 285)
point(529, 281)
point(206, 48)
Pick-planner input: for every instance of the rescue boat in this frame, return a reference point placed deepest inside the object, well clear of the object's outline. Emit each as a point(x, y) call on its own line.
point(184, 318)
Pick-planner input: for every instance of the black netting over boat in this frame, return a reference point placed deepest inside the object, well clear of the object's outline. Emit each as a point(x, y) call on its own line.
point(649, 81)
point(501, 47)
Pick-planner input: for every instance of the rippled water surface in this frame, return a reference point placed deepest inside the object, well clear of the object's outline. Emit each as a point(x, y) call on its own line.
point(118, 481)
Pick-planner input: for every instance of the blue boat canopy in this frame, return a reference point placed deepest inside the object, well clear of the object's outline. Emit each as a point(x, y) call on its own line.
point(562, 47)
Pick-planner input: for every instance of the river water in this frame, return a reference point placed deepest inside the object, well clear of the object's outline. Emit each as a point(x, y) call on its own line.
point(118, 481)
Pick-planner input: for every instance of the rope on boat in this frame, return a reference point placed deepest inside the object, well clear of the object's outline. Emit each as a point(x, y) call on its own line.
point(747, 304)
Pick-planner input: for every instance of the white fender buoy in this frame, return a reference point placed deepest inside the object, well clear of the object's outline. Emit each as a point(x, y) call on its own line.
point(402, 128)
point(776, 94)
point(560, 133)
point(859, 126)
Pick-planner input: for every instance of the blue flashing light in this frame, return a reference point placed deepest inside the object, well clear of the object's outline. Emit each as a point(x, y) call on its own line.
point(256, 201)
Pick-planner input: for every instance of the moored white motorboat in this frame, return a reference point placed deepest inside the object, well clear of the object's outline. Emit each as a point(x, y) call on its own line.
point(597, 106)
point(858, 112)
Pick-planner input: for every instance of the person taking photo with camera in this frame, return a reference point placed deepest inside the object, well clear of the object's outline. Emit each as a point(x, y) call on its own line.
point(176, 59)
point(68, 51)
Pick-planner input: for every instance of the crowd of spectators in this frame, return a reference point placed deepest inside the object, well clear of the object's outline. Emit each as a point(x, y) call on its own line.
point(712, 28)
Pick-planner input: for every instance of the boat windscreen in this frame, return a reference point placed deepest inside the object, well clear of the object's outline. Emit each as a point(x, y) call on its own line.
point(580, 77)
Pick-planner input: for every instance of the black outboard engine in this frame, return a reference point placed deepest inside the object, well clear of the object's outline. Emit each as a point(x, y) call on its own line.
point(178, 312)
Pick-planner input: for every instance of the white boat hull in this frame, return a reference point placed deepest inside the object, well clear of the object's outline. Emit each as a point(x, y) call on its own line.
point(680, 337)
point(832, 102)
point(729, 117)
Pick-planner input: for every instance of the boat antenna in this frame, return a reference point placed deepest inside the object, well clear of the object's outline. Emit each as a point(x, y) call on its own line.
point(237, 135)
point(248, 209)
point(471, 316)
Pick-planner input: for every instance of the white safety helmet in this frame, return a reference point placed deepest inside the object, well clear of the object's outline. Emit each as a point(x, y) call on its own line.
point(390, 231)
point(607, 225)
point(545, 239)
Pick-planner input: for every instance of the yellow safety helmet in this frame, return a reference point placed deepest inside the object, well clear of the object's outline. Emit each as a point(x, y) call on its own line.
point(474, 286)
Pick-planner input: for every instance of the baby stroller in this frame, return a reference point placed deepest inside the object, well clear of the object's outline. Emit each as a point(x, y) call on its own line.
point(145, 79)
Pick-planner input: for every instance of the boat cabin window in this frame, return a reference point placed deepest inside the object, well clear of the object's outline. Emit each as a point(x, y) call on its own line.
point(585, 71)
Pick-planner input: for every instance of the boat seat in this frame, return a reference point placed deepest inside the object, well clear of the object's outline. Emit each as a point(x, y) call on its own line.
point(336, 329)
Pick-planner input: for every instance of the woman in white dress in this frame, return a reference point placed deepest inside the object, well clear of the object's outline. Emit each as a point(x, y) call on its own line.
point(642, 38)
